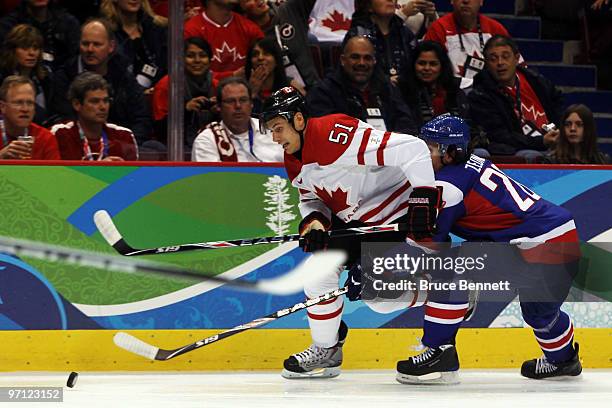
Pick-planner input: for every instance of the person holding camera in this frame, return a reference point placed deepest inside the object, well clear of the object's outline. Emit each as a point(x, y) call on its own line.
point(200, 84)
point(20, 138)
point(517, 108)
point(418, 15)
point(238, 137)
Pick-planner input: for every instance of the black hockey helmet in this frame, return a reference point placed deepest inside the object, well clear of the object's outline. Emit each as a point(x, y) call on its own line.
point(285, 102)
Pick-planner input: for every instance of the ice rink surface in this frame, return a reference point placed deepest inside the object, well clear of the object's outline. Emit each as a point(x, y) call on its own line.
point(372, 389)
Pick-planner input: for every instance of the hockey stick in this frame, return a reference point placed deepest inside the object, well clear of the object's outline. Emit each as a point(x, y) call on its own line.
point(314, 267)
point(134, 345)
point(111, 234)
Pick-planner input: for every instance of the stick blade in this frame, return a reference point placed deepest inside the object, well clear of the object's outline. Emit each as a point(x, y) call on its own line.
point(107, 228)
point(310, 270)
point(133, 345)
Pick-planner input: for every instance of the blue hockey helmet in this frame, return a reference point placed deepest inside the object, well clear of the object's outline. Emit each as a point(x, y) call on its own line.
point(447, 131)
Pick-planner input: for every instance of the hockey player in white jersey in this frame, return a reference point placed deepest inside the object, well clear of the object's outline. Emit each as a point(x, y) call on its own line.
point(348, 174)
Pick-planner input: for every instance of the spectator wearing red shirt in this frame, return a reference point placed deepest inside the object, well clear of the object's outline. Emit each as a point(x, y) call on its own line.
point(20, 138)
point(463, 34)
point(90, 137)
point(199, 95)
point(229, 34)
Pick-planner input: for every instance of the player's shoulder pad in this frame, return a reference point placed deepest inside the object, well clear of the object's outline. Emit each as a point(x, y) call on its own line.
point(462, 176)
point(451, 194)
point(327, 137)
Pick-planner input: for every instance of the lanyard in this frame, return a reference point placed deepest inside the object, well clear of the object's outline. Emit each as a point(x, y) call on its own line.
point(480, 38)
point(519, 106)
point(5, 140)
point(251, 142)
point(87, 150)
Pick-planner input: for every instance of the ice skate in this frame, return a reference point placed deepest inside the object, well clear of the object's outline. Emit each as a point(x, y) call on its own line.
point(438, 365)
point(541, 368)
point(315, 361)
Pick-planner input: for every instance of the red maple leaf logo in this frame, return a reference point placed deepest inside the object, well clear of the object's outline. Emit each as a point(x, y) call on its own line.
point(336, 21)
point(337, 201)
point(461, 67)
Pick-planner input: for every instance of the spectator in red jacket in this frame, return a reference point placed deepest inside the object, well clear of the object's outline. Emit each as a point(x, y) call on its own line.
point(229, 34)
point(199, 96)
point(21, 138)
point(463, 34)
point(90, 137)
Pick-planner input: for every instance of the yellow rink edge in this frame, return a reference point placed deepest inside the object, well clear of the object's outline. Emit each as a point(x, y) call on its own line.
point(265, 349)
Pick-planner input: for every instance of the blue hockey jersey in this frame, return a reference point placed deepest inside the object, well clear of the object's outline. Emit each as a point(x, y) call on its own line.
point(484, 204)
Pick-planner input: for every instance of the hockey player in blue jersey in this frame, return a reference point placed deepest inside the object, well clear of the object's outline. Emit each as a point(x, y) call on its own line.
point(484, 204)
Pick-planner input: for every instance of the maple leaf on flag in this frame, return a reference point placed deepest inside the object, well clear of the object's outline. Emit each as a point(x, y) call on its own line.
point(336, 21)
point(337, 201)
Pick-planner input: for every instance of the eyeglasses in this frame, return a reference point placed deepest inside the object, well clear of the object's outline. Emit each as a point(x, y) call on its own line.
point(21, 104)
point(241, 101)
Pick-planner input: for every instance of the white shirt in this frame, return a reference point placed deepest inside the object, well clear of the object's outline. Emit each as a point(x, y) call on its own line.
point(263, 149)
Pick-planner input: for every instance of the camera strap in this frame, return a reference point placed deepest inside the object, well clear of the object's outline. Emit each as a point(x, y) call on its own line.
point(291, 69)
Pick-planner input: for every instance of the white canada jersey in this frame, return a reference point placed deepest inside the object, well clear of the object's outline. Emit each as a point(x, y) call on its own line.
point(350, 169)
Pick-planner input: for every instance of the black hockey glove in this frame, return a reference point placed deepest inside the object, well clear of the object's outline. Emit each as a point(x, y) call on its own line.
point(353, 282)
point(424, 204)
point(315, 239)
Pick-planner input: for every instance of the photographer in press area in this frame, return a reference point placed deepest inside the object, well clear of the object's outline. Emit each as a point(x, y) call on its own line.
point(517, 108)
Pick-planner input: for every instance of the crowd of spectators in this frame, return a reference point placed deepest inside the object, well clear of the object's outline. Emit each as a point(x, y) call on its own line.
point(88, 80)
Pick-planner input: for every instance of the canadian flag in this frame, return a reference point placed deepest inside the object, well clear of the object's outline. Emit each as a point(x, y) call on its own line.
point(331, 19)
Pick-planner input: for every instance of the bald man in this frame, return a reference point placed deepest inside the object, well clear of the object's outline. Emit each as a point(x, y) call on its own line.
point(358, 88)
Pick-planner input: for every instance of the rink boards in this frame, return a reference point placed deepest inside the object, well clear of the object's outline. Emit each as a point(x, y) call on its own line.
point(56, 316)
point(265, 349)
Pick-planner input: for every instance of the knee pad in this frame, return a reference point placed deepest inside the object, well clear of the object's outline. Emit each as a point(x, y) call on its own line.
point(323, 285)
